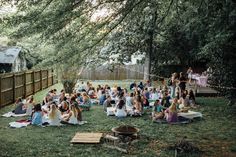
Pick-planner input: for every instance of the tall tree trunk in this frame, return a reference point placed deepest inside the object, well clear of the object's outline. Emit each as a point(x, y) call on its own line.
point(149, 45)
point(147, 66)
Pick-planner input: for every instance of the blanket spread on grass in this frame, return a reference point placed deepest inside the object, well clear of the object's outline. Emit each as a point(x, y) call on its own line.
point(19, 124)
point(190, 114)
point(11, 114)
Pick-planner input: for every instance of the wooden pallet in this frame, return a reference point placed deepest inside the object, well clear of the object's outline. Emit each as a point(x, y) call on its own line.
point(86, 138)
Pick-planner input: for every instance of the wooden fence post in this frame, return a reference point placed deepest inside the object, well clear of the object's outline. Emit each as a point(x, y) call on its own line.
point(47, 77)
point(25, 84)
point(33, 82)
point(13, 88)
point(41, 80)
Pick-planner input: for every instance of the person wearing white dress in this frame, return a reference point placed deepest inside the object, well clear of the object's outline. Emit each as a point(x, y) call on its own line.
point(154, 95)
point(129, 103)
point(54, 116)
point(71, 118)
point(120, 109)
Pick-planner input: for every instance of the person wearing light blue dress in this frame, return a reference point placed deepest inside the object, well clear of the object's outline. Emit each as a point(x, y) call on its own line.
point(37, 115)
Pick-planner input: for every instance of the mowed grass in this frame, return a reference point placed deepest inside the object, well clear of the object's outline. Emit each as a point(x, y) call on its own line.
point(215, 134)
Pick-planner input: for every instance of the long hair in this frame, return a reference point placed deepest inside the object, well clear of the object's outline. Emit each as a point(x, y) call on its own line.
point(53, 111)
point(74, 110)
point(173, 108)
point(139, 98)
point(37, 107)
point(121, 104)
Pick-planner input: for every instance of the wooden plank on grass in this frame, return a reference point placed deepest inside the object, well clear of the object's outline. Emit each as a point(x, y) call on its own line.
point(86, 138)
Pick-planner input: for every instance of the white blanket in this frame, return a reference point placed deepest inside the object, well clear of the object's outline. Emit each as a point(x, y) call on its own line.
point(11, 114)
point(18, 124)
point(111, 111)
point(190, 114)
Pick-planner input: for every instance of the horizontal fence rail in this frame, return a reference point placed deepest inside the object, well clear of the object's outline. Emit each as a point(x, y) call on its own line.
point(23, 84)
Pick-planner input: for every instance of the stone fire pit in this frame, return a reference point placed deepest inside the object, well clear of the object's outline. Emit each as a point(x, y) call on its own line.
point(125, 130)
point(124, 136)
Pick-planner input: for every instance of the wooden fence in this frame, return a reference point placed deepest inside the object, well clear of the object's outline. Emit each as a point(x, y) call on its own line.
point(118, 73)
point(23, 84)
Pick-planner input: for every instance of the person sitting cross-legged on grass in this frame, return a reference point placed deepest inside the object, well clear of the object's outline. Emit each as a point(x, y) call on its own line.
point(165, 100)
point(183, 101)
point(73, 101)
point(62, 95)
point(120, 109)
point(74, 116)
point(129, 103)
point(20, 107)
point(138, 107)
point(145, 102)
point(86, 104)
point(171, 113)
point(54, 115)
point(102, 97)
point(37, 115)
point(64, 106)
point(154, 95)
point(107, 103)
point(30, 105)
point(158, 111)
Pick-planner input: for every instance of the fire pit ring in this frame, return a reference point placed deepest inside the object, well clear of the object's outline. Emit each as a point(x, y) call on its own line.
point(125, 130)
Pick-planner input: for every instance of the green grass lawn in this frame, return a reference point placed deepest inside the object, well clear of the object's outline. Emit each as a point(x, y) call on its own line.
point(215, 134)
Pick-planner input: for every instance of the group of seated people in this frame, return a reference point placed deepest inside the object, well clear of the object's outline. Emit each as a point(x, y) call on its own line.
point(54, 109)
point(123, 103)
